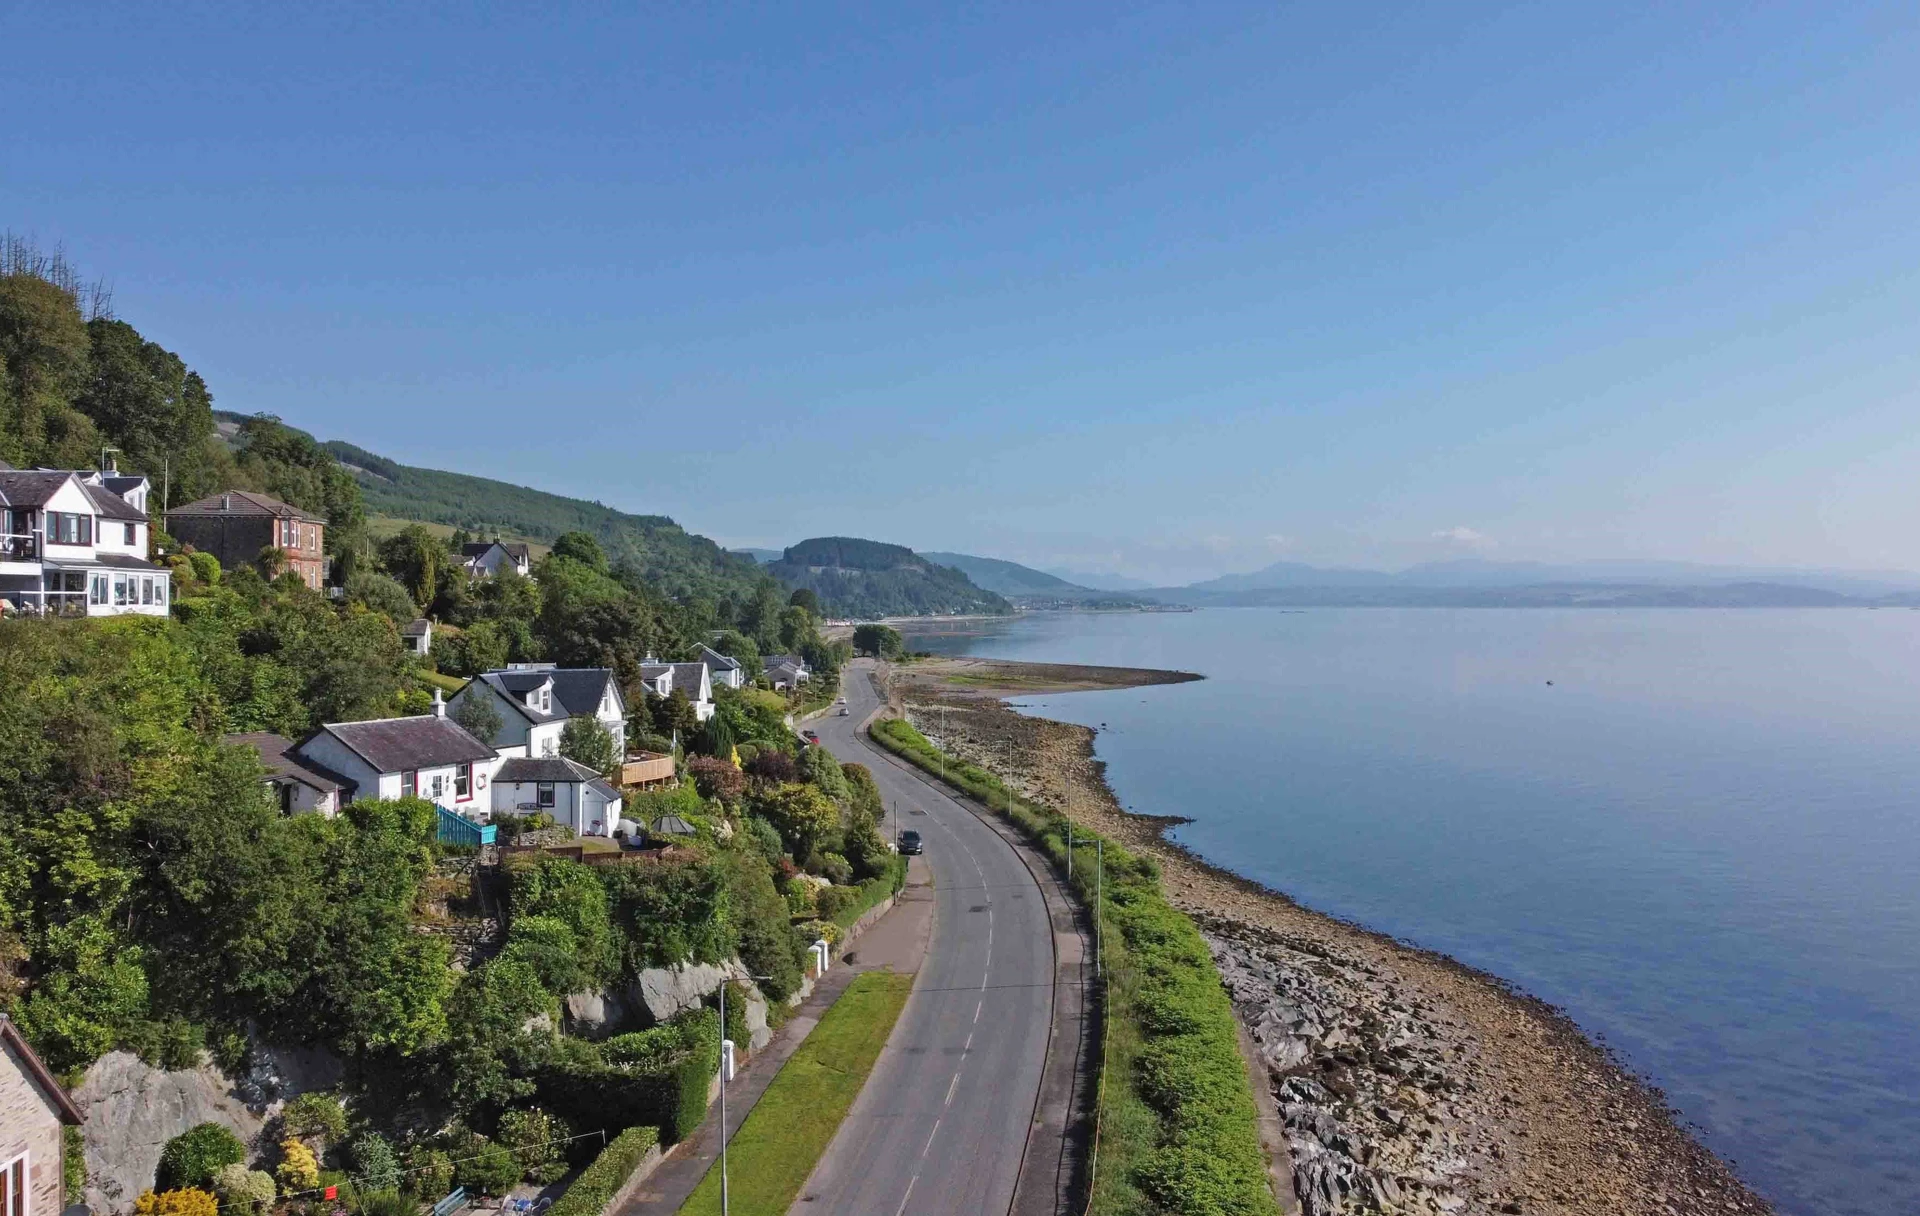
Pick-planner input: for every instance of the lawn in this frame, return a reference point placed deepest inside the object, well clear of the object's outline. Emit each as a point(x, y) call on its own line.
point(776, 1148)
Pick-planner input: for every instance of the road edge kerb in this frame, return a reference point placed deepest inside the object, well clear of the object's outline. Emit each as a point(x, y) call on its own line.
point(1051, 895)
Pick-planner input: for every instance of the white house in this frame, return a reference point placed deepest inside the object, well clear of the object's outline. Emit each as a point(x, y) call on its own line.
point(430, 756)
point(572, 793)
point(417, 635)
point(692, 679)
point(536, 700)
point(299, 786)
point(484, 559)
point(722, 670)
point(72, 547)
point(785, 671)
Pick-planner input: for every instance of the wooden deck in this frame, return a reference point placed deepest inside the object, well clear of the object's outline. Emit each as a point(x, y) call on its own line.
point(646, 768)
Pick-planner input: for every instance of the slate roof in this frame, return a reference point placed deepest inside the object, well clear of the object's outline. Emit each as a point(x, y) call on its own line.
point(29, 487)
point(713, 658)
point(580, 689)
point(543, 768)
point(599, 786)
point(278, 757)
point(514, 549)
point(245, 502)
point(111, 505)
point(394, 745)
point(515, 684)
point(417, 627)
point(113, 561)
point(120, 483)
point(686, 676)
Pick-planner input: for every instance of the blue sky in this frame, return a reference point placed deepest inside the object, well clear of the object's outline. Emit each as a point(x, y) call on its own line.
point(1167, 291)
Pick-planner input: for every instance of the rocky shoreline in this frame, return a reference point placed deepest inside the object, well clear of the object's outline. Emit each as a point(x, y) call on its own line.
point(1405, 1081)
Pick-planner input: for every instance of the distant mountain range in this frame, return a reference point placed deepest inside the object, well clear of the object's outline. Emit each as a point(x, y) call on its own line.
point(1007, 578)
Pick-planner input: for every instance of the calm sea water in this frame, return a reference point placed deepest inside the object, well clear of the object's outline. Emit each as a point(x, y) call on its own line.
point(1702, 839)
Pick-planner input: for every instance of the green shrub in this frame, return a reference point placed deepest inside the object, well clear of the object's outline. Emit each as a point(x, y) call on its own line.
point(192, 1158)
point(243, 1190)
point(600, 1182)
point(484, 1167)
point(429, 1172)
point(387, 1203)
point(316, 1117)
point(375, 1164)
point(537, 1142)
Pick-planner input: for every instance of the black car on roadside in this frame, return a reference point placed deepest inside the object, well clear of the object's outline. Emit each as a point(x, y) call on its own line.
point(910, 844)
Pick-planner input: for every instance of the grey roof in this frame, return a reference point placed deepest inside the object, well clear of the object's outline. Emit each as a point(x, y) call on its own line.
point(783, 660)
point(120, 561)
point(278, 757)
point(580, 689)
point(514, 549)
point(686, 676)
point(29, 487)
point(112, 505)
point(599, 786)
point(120, 483)
point(417, 626)
point(543, 768)
point(514, 684)
point(394, 745)
point(673, 825)
point(245, 502)
point(713, 658)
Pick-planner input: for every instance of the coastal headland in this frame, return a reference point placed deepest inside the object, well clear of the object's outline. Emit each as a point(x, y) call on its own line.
point(1404, 1079)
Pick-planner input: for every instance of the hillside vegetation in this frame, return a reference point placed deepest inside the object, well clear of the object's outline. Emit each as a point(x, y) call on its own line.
point(1007, 578)
point(865, 578)
point(671, 559)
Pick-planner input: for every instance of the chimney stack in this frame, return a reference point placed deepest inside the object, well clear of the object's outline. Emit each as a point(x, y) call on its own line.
point(439, 704)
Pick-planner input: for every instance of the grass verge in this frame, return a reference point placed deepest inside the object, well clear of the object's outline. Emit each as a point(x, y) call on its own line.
point(776, 1148)
point(1178, 1131)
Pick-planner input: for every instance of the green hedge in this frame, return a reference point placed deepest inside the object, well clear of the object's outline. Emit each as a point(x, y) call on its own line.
point(1178, 1127)
point(596, 1186)
point(873, 891)
point(655, 1078)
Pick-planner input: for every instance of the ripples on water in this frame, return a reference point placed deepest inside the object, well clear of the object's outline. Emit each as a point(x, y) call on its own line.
point(1702, 839)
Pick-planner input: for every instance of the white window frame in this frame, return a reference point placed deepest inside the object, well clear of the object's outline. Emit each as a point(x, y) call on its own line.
point(99, 590)
point(16, 1186)
point(544, 796)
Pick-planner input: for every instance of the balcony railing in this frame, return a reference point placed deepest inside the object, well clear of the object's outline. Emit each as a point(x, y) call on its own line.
point(20, 547)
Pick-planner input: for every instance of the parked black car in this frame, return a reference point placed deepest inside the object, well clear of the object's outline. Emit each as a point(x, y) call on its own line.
point(910, 843)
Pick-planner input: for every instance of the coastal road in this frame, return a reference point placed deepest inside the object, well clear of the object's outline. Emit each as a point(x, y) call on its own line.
point(942, 1123)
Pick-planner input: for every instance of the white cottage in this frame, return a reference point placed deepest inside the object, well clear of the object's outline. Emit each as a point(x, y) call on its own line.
point(575, 795)
point(429, 756)
point(71, 546)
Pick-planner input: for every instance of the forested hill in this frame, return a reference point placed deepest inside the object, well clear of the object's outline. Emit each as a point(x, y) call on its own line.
point(671, 559)
point(1008, 578)
point(864, 578)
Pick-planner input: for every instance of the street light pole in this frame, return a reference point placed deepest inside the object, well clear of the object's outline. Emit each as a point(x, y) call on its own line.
point(725, 1076)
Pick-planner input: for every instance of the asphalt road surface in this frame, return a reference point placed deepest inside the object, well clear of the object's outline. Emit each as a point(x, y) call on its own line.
point(942, 1122)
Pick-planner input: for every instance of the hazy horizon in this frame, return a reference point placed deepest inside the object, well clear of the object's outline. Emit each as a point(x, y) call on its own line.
point(1164, 293)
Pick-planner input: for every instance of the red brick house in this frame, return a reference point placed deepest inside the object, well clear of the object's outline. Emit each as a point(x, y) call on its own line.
point(235, 525)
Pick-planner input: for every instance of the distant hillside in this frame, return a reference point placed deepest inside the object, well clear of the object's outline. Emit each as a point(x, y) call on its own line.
point(1004, 577)
point(677, 562)
point(864, 578)
point(762, 556)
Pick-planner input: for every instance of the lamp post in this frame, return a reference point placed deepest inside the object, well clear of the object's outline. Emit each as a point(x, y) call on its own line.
point(726, 1075)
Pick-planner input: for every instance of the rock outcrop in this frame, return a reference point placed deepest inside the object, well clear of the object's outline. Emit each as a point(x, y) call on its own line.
point(660, 994)
point(133, 1109)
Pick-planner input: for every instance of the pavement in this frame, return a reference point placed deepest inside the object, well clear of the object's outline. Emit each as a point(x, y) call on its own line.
point(897, 942)
point(944, 1122)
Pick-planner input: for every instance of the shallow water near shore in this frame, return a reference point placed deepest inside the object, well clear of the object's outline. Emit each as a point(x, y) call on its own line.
point(1702, 838)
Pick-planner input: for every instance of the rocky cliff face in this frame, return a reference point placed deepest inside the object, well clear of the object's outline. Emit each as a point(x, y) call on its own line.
point(657, 995)
point(133, 1109)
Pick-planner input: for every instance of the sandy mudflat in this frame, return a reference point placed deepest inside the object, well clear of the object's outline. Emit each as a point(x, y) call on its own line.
point(1406, 1081)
